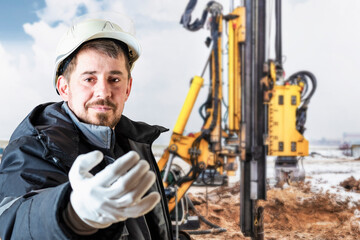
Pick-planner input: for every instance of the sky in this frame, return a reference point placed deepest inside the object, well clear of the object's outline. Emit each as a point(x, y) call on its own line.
point(319, 36)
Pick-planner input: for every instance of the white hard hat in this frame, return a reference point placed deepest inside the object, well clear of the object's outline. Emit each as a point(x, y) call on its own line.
point(93, 29)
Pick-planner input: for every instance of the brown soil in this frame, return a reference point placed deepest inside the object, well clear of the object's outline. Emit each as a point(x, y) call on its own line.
point(291, 213)
point(351, 184)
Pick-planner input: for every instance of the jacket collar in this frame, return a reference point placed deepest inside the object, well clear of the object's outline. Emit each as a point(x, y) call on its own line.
point(100, 136)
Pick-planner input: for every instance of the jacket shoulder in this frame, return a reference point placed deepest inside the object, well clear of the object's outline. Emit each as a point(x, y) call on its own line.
point(139, 131)
point(49, 124)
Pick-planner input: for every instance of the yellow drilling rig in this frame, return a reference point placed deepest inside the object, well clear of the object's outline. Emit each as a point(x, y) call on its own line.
point(264, 116)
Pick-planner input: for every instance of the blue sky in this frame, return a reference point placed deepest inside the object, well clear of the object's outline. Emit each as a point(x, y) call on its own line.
point(14, 14)
point(319, 36)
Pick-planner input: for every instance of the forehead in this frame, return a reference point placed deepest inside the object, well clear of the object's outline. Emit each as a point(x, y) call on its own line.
point(89, 58)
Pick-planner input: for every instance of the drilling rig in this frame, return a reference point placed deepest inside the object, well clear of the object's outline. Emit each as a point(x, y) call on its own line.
point(264, 116)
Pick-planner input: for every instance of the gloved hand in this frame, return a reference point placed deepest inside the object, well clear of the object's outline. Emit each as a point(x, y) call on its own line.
point(115, 193)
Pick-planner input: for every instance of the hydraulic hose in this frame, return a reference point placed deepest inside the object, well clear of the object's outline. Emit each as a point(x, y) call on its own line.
point(215, 228)
point(301, 111)
point(198, 23)
point(312, 78)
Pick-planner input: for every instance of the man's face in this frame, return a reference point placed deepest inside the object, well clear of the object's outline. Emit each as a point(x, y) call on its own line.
point(97, 89)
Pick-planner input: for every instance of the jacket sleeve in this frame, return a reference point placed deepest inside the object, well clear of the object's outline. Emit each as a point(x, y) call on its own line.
point(25, 168)
point(36, 216)
point(22, 170)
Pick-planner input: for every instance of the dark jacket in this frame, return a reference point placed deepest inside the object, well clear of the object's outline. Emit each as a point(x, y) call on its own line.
point(39, 156)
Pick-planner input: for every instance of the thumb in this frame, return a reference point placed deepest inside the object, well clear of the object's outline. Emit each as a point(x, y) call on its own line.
point(83, 164)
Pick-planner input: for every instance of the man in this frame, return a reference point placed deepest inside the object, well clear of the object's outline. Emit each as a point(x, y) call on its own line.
point(72, 169)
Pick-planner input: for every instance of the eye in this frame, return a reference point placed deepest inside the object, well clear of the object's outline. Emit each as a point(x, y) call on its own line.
point(88, 80)
point(115, 80)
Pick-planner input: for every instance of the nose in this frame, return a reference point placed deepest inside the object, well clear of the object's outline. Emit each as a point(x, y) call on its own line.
point(102, 88)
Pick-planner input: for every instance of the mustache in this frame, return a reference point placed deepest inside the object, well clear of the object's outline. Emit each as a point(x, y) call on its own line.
point(103, 102)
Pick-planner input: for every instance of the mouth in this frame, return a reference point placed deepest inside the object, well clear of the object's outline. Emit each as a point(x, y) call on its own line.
point(101, 108)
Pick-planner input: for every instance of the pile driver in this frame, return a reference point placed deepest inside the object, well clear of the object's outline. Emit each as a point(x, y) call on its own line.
point(265, 112)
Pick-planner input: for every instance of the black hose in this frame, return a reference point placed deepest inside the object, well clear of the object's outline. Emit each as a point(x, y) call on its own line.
point(215, 228)
point(198, 23)
point(205, 105)
point(194, 164)
point(304, 74)
point(301, 111)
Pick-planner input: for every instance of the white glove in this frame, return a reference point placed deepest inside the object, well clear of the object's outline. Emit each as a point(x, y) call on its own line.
point(115, 193)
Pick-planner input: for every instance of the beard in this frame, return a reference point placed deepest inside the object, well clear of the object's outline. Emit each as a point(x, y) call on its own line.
point(104, 119)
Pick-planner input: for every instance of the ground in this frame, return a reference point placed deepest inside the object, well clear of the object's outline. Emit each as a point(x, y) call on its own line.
point(325, 206)
point(294, 212)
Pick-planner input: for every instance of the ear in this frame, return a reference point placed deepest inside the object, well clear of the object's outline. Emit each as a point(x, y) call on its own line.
point(63, 87)
point(128, 88)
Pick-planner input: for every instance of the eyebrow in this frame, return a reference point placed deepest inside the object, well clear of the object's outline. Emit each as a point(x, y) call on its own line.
point(113, 72)
point(116, 72)
point(88, 72)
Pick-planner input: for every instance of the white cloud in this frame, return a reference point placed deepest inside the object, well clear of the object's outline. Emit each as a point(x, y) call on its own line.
point(43, 48)
point(15, 99)
point(66, 10)
point(160, 10)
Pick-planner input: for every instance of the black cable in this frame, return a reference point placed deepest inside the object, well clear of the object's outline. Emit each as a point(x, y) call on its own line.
point(303, 76)
point(198, 23)
point(194, 164)
point(205, 105)
point(215, 228)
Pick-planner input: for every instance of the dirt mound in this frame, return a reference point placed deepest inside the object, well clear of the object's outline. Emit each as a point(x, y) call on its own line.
point(291, 213)
point(220, 206)
point(351, 184)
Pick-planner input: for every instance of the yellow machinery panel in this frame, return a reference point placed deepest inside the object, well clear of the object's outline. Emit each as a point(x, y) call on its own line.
point(284, 139)
point(236, 37)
